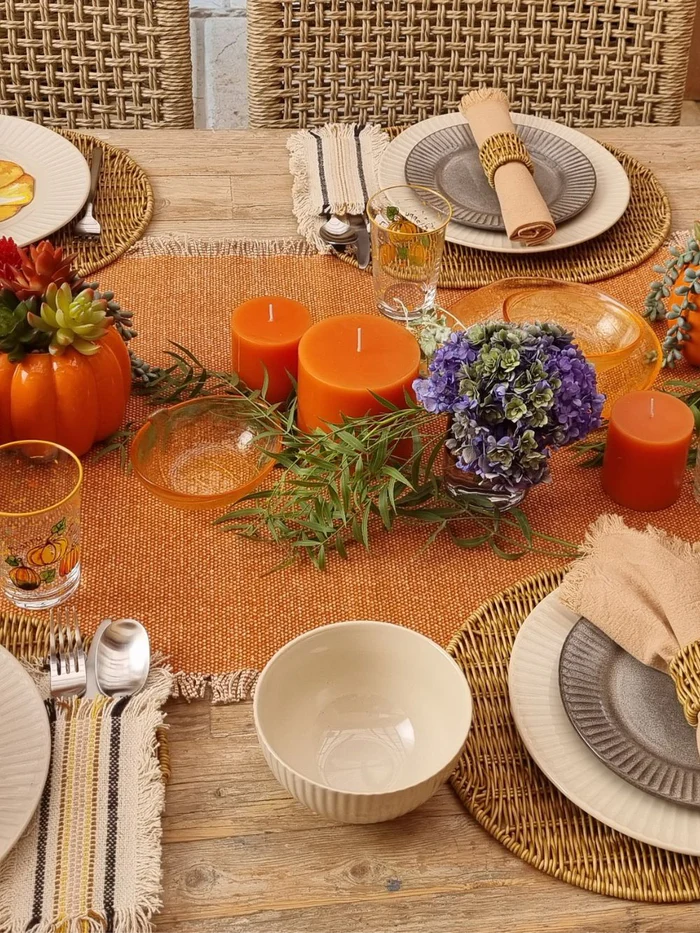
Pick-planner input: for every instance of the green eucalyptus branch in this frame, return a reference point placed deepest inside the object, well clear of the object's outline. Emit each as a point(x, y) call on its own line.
point(677, 315)
point(334, 489)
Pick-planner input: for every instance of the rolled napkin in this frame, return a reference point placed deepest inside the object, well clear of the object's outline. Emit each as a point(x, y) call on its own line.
point(642, 588)
point(508, 166)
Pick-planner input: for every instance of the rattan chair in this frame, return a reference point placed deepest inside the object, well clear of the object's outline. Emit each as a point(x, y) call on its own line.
point(581, 62)
point(98, 64)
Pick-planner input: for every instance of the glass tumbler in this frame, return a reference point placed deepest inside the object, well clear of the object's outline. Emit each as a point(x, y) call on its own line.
point(408, 224)
point(39, 523)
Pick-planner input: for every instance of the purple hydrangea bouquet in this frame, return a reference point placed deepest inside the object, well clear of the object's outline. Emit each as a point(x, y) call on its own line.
point(514, 394)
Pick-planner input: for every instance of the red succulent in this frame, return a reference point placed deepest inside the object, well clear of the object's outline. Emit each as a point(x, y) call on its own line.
point(10, 258)
point(37, 268)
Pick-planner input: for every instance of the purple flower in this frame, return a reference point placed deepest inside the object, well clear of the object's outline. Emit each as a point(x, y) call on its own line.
point(514, 394)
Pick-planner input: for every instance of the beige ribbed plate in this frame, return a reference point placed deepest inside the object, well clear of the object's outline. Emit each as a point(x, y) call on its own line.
point(61, 179)
point(541, 720)
point(607, 205)
point(25, 750)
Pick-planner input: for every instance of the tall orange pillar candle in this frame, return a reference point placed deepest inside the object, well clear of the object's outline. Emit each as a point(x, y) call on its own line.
point(342, 360)
point(265, 335)
point(646, 451)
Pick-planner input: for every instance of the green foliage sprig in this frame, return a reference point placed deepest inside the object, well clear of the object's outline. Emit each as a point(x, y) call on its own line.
point(660, 291)
point(333, 490)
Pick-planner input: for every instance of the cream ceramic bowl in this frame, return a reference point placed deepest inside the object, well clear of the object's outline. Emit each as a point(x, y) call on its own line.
point(362, 721)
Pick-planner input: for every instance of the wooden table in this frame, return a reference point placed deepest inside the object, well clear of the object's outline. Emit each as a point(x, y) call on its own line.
point(239, 854)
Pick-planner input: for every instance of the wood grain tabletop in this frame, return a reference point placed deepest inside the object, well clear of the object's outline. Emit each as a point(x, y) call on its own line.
point(239, 854)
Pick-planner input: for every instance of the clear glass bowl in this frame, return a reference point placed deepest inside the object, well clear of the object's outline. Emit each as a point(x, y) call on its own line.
point(205, 453)
point(620, 344)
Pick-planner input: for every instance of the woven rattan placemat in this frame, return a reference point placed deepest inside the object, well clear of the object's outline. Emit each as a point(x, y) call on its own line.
point(639, 232)
point(509, 796)
point(124, 207)
point(26, 635)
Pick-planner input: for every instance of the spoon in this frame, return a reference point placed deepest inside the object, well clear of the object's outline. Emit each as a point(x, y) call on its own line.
point(337, 232)
point(122, 658)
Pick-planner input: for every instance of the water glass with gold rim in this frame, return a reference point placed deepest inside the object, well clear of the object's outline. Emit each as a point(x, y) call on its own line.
point(39, 523)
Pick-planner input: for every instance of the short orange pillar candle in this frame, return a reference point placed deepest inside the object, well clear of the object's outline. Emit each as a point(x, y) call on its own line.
point(265, 335)
point(646, 452)
point(343, 360)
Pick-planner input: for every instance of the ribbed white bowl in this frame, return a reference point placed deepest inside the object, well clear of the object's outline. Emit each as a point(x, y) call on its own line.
point(25, 750)
point(362, 721)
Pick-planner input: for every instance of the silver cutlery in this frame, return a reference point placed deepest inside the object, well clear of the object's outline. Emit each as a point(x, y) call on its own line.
point(67, 662)
point(348, 230)
point(119, 659)
point(88, 225)
point(364, 250)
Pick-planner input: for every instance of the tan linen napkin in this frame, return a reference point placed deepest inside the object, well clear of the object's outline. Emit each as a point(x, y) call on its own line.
point(642, 588)
point(525, 215)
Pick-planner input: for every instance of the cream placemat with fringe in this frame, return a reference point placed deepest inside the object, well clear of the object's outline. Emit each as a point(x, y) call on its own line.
point(90, 858)
point(335, 170)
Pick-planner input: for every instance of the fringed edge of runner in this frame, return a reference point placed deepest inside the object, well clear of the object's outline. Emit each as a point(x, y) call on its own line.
point(221, 688)
point(184, 245)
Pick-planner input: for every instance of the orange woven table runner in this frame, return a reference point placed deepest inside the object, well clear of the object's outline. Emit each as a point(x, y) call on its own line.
point(203, 592)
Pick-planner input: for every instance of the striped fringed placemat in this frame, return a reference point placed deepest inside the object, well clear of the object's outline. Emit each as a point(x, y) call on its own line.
point(90, 858)
point(509, 796)
point(26, 636)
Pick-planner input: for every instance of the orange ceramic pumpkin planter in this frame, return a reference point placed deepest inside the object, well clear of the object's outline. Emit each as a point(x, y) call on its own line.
point(65, 371)
point(71, 399)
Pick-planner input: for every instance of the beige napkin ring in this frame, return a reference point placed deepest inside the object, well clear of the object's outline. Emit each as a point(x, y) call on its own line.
point(685, 670)
point(500, 149)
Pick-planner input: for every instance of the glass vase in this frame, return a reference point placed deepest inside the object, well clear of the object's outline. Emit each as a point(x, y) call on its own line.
point(464, 485)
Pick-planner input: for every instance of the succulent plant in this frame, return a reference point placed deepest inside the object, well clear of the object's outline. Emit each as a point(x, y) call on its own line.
point(76, 321)
point(17, 335)
point(39, 267)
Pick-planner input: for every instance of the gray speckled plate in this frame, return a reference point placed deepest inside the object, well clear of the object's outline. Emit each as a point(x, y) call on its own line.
point(628, 714)
point(448, 162)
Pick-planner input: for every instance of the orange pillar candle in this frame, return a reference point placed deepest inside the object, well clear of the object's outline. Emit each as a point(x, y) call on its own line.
point(342, 360)
point(646, 451)
point(265, 335)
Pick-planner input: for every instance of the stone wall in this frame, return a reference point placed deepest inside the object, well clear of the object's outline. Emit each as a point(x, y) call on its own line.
point(219, 63)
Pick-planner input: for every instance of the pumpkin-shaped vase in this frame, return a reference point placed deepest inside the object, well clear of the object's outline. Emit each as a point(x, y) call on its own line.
point(70, 399)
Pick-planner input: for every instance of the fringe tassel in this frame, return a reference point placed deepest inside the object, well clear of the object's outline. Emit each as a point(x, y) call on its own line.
point(614, 524)
point(183, 245)
point(224, 688)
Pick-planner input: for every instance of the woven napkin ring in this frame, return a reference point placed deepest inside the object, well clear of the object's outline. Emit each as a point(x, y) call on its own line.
point(500, 149)
point(685, 670)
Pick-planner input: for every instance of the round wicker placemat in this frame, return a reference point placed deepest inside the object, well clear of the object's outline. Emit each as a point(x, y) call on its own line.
point(124, 206)
point(509, 796)
point(641, 230)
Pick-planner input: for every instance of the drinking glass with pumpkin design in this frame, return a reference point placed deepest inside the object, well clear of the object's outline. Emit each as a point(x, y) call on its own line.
point(39, 523)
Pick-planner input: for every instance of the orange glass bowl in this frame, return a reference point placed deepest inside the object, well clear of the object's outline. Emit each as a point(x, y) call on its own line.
point(620, 344)
point(205, 453)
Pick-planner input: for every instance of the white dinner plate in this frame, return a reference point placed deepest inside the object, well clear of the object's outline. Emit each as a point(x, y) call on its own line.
point(554, 744)
point(25, 750)
point(61, 179)
point(607, 205)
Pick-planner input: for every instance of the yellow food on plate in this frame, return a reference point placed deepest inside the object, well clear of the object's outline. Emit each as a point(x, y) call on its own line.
point(7, 212)
point(9, 172)
point(19, 192)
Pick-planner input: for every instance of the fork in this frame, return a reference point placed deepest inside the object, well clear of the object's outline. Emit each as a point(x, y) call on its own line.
point(67, 657)
point(88, 225)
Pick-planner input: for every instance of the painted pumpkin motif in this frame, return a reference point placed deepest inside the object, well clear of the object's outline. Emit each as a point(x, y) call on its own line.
point(69, 561)
point(48, 552)
point(24, 578)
